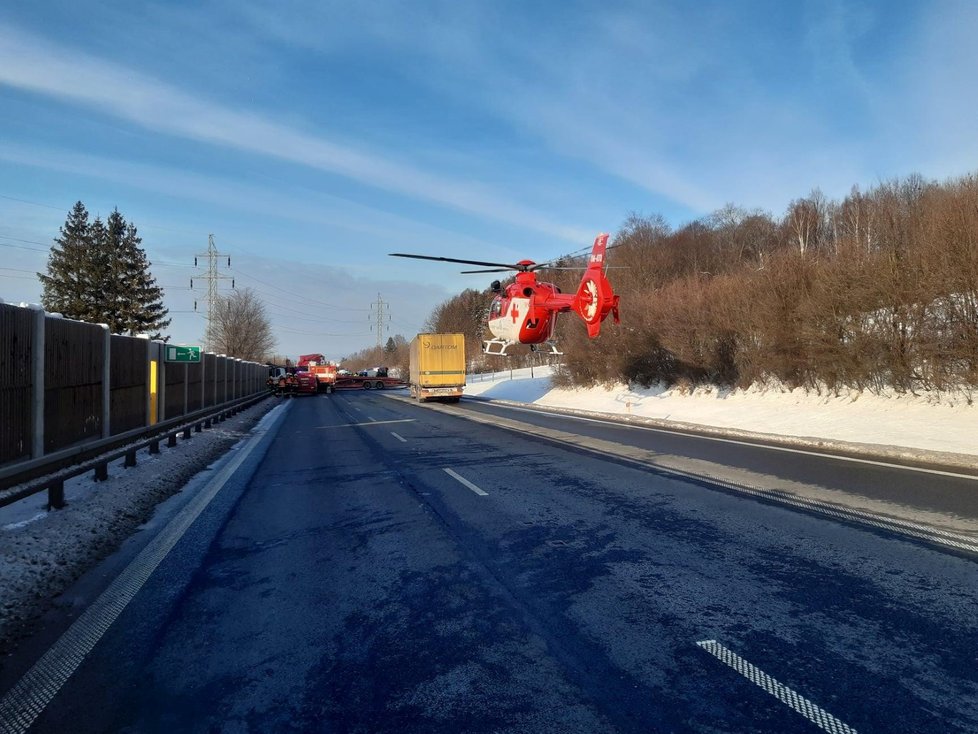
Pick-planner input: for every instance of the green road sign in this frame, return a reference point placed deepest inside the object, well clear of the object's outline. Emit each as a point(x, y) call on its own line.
point(181, 354)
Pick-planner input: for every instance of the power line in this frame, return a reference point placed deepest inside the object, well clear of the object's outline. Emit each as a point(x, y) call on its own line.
point(305, 300)
point(17, 239)
point(62, 209)
point(316, 333)
point(32, 203)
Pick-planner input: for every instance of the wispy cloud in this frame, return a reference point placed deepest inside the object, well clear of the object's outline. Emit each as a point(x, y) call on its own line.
point(30, 63)
point(294, 204)
point(696, 107)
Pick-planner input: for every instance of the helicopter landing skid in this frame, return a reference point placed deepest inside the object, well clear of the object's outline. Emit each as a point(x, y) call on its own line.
point(546, 348)
point(498, 347)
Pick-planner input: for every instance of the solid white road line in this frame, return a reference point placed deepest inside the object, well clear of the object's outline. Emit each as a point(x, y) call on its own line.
point(28, 698)
point(786, 449)
point(466, 482)
point(399, 438)
point(787, 696)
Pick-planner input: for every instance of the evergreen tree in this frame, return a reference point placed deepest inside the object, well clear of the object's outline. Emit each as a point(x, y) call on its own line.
point(133, 302)
point(97, 272)
point(67, 286)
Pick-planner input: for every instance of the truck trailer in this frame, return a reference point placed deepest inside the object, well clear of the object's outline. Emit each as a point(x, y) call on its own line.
point(376, 379)
point(437, 367)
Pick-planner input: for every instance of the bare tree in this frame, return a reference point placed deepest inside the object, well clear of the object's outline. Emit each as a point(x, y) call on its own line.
point(240, 328)
point(807, 221)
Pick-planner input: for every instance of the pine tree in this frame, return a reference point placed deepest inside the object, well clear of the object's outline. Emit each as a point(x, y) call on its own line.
point(67, 286)
point(133, 302)
point(151, 319)
point(97, 272)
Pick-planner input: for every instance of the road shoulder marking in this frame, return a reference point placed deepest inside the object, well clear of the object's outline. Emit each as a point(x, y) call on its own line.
point(28, 698)
point(818, 716)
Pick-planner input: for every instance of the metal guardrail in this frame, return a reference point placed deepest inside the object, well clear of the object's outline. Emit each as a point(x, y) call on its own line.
point(50, 472)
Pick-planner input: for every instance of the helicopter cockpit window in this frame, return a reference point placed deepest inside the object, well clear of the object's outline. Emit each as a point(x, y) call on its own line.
point(496, 309)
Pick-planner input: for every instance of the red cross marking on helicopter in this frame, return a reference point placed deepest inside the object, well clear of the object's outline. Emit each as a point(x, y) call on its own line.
point(515, 313)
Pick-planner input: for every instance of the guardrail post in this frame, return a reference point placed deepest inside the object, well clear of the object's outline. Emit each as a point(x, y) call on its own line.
point(102, 471)
point(56, 495)
point(188, 432)
point(171, 440)
point(154, 447)
point(37, 382)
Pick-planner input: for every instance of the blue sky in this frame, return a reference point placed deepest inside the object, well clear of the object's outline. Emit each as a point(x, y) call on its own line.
point(311, 138)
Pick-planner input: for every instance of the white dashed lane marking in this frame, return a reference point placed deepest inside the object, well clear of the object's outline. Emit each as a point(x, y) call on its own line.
point(466, 482)
point(398, 437)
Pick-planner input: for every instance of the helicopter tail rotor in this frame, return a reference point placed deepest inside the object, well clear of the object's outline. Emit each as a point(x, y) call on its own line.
point(595, 298)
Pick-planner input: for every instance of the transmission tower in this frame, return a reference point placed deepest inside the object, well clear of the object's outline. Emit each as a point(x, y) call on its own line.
point(379, 319)
point(213, 277)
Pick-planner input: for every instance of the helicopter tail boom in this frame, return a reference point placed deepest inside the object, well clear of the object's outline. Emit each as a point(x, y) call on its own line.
point(595, 298)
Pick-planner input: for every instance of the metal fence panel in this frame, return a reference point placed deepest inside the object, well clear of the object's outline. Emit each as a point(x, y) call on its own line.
point(195, 374)
point(127, 397)
point(74, 353)
point(16, 345)
point(210, 391)
point(174, 392)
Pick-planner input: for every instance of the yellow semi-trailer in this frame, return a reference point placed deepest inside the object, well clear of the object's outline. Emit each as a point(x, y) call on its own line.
point(437, 367)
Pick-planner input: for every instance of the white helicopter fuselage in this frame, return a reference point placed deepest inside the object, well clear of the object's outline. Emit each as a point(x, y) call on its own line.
point(512, 320)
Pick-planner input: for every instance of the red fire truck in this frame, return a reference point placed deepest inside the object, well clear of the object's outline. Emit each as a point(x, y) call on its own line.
point(324, 371)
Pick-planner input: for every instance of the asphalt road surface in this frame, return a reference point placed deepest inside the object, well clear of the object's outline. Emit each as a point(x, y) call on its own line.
point(373, 565)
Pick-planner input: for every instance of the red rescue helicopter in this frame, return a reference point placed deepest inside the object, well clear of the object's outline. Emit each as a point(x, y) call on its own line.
point(526, 313)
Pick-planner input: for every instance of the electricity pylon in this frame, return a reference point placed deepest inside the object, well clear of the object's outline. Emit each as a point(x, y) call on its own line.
point(381, 322)
point(213, 277)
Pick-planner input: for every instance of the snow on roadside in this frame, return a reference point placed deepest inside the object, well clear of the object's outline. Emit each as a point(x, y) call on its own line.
point(895, 423)
point(42, 553)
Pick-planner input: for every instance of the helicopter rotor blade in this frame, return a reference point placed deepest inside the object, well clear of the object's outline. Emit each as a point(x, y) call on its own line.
point(581, 268)
point(493, 270)
point(506, 266)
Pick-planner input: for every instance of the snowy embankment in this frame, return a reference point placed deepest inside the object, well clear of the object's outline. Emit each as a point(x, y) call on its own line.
point(42, 553)
point(939, 428)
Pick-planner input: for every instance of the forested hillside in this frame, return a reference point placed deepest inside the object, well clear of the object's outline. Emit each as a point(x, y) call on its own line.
point(877, 290)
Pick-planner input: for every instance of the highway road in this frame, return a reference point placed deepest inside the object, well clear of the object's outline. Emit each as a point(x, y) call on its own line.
point(368, 564)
